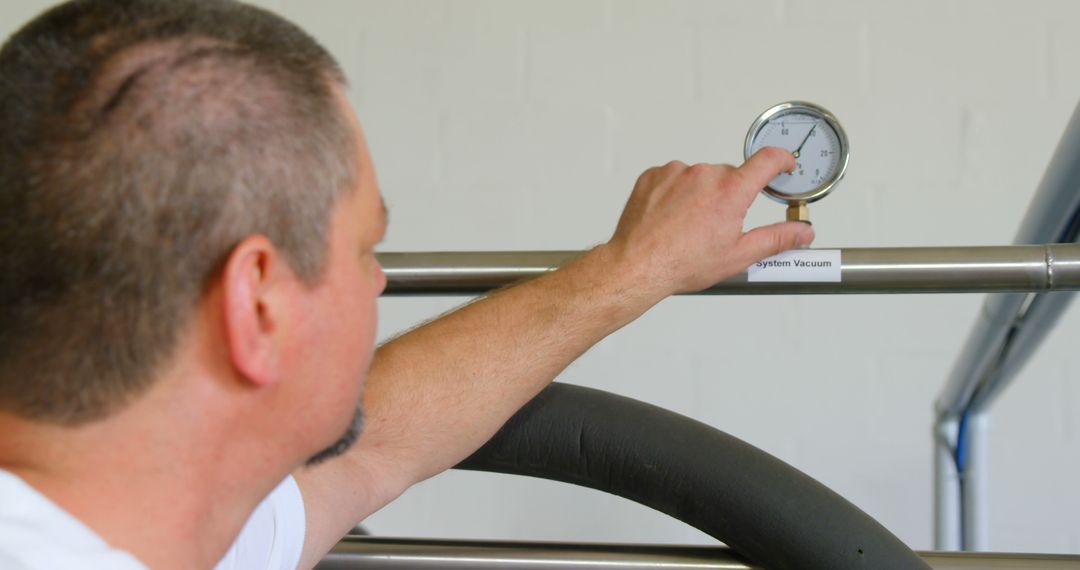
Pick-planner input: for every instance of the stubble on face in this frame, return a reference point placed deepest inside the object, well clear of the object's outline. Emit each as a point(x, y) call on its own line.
point(343, 443)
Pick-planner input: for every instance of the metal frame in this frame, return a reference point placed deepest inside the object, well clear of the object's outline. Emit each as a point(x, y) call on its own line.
point(394, 554)
point(1006, 333)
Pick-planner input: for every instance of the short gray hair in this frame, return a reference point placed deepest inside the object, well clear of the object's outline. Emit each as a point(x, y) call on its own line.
point(140, 141)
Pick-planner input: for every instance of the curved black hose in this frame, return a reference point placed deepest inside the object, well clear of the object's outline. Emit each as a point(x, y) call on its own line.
point(756, 504)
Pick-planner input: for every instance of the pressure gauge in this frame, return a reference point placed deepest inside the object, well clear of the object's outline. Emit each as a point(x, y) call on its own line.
point(820, 147)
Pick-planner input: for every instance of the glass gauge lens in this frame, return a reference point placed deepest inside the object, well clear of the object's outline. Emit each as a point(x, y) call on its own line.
point(814, 137)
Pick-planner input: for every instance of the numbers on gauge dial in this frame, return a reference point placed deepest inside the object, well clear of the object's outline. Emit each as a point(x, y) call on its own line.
point(813, 142)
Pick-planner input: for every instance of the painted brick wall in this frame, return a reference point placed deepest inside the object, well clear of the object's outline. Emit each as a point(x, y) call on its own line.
point(505, 125)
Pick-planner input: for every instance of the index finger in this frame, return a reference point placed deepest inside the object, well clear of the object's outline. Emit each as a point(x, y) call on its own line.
point(764, 165)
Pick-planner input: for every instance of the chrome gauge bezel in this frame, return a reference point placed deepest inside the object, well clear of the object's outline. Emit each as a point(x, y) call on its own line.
point(806, 108)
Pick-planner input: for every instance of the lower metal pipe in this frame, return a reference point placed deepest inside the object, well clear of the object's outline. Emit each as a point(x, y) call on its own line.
point(371, 553)
point(399, 554)
point(1033, 268)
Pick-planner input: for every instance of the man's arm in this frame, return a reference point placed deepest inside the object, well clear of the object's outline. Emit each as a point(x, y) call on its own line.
point(438, 393)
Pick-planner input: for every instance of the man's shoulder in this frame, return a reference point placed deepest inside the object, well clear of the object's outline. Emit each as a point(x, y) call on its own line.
point(9, 562)
point(38, 556)
point(36, 533)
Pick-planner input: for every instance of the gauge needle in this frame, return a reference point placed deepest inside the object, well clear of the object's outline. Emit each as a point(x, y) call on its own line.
point(796, 153)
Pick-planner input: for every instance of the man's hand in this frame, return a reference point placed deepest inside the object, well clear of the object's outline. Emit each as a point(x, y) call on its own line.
point(683, 225)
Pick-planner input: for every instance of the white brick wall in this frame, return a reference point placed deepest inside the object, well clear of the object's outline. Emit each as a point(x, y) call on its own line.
point(523, 124)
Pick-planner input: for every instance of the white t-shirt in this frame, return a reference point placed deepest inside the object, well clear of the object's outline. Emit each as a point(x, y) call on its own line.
point(36, 533)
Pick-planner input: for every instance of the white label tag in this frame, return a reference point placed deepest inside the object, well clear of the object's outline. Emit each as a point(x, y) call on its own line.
point(798, 265)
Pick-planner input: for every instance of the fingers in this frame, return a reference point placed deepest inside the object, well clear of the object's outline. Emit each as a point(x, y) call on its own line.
point(763, 166)
point(766, 241)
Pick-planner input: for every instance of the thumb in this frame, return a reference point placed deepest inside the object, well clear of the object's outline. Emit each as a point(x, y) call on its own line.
point(759, 243)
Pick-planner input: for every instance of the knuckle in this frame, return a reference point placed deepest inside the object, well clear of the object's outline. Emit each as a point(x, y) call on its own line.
point(699, 170)
point(674, 166)
point(650, 177)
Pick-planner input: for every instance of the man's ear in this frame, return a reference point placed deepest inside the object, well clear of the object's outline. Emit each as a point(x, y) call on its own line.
point(252, 296)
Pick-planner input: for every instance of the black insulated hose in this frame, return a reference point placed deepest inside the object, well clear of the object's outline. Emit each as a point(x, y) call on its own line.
point(758, 505)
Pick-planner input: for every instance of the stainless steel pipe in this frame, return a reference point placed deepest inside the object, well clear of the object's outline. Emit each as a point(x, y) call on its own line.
point(372, 553)
point(1028, 268)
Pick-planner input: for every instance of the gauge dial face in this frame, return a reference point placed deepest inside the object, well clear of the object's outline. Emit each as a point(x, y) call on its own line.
point(814, 137)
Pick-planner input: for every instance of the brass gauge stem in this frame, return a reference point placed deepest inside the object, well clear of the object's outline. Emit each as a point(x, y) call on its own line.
point(798, 212)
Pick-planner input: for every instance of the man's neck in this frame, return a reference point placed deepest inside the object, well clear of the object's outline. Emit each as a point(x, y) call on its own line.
point(170, 497)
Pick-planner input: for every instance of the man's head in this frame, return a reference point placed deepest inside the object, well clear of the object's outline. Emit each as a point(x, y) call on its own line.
point(142, 144)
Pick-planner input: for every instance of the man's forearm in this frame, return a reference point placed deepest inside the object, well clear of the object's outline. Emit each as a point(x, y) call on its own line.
point(439, 392)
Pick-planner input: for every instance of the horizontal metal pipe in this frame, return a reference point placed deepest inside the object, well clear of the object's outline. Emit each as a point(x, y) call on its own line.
point(1031, 268)
point(372, 553)
point(386, 554)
